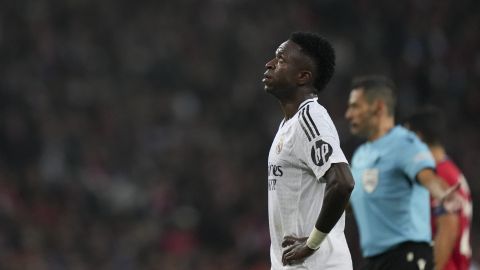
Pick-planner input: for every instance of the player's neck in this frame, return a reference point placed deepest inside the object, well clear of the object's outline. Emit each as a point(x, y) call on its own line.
point(290, 106)
point(384, 126)
point(438, 153)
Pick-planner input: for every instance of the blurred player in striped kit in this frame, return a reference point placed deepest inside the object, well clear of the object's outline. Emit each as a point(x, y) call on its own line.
point(451, 231)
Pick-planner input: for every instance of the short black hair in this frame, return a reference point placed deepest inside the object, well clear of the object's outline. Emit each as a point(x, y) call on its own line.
point(430, 122)
point(322, 54)
point(377, 87)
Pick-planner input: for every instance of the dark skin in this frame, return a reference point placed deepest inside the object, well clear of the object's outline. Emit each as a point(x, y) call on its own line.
point(289, 77)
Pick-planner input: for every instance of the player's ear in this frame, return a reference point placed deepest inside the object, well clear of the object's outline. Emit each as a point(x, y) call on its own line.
point(304, 77)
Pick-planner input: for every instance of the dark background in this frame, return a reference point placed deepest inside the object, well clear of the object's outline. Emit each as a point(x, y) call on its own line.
point(134, 134)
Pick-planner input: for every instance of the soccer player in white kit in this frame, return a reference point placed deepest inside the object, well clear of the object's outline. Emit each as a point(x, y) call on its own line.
point(309, 180)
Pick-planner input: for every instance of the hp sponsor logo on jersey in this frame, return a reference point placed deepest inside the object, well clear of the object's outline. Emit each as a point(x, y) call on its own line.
point(321, 152)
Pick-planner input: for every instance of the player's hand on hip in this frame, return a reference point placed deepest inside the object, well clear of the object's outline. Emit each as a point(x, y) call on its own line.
point(297, 250)
point(290, 240)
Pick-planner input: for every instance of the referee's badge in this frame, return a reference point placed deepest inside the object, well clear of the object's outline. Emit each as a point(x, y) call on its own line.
point(280, 145)
point(370, 180)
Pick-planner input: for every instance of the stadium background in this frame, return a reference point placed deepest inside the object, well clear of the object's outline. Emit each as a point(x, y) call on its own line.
point(134, 134)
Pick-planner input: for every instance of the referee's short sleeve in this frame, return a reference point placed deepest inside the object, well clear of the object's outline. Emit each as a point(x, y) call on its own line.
point(415, 156)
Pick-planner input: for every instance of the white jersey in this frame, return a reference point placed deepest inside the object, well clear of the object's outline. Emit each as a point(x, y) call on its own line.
point(303, 150)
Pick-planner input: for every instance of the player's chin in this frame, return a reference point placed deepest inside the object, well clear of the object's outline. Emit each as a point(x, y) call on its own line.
point(268, 88)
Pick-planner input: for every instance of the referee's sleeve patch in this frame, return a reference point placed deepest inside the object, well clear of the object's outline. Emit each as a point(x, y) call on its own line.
point(422, 156)
point(321, 152)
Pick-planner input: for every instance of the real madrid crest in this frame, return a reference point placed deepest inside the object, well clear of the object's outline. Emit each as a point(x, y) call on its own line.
point(280, 145)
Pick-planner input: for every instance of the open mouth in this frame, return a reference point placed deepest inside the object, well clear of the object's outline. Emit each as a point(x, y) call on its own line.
point(266, 78)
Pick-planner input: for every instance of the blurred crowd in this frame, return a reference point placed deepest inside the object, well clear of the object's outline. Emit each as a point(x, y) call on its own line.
point(134, 134)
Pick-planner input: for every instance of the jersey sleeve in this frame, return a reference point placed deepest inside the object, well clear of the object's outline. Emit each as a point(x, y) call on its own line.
point(317, 143)
point(414, 156)
point(448, 172)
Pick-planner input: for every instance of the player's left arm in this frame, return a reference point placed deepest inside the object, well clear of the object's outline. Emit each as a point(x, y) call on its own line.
point(445, 238)
point(447, 228)
point(339, 186)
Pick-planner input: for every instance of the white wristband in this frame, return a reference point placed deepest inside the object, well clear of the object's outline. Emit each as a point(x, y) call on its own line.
point(315, 239)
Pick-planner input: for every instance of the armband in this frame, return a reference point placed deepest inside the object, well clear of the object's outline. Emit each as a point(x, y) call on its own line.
point(439, 210)
point(315, 239)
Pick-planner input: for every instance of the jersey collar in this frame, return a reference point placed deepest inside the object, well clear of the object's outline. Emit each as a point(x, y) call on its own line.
point(305, 102)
